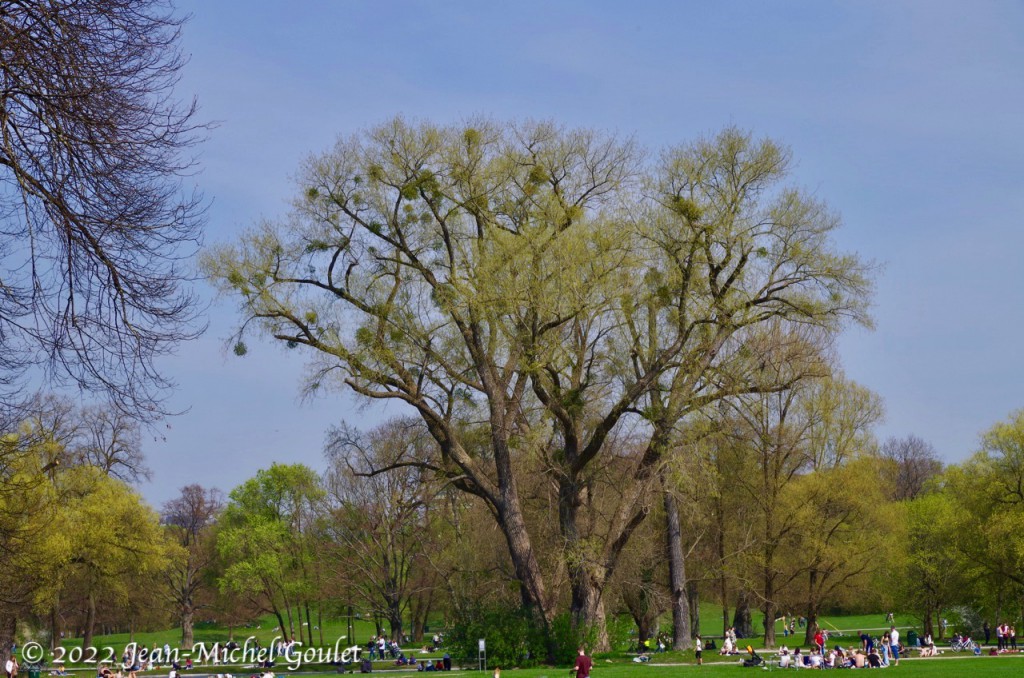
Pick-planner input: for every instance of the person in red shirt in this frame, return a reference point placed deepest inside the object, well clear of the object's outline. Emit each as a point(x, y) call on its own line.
point(583, 665)
point(819, 640)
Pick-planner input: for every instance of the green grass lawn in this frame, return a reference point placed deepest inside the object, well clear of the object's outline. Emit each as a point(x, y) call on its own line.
point(930, 668)
point(843, 630)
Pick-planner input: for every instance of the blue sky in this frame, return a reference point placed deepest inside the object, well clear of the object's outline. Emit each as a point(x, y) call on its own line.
point(907, 118)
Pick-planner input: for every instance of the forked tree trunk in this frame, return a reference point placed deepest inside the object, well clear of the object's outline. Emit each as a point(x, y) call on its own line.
point(587, 609)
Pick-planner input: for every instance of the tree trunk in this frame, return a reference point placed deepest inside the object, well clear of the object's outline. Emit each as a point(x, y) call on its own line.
point(309, 625)
point(90, 621)
point(320, 620)
point(693, 598)
point(812, 627)
point(769, 610)
point(586, 581)
point(588, 609)
point(742, 620)
point(812, 608)
point(681, 633)
point(8, 626)
point(350, 629)
point(280, 620)
point(421, 617)
point(290, 634)
point(524, 559)
point(395, 617)
point(723, 583)
point(187, 627)
point(54, 629)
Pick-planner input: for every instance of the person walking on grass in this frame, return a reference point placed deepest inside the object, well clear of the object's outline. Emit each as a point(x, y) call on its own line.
point(583, 664)
point(698, 650)
point(894, 640)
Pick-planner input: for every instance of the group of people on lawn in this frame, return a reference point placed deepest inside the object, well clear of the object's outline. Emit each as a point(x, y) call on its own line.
point(871, 653)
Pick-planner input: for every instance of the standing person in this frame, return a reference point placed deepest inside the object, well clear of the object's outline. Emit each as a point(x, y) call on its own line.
point(698, 650)
point(988, 631)
point(583, 664)
point(1013, 638)
point(819, 641)
point(1001, 636)
point(894, 640)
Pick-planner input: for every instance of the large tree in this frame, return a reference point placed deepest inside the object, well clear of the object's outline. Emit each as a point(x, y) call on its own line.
point(94, 227)
point(530, 291)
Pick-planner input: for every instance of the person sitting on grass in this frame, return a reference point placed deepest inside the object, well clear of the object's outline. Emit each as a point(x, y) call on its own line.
point(727, 647)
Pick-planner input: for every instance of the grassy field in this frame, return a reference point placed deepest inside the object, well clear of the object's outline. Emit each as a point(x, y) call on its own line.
point(926, 668)
point(843, 630)
point(266, 629)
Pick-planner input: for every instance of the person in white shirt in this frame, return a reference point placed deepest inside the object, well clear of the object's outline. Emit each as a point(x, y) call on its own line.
point(894, 640)
point(698, 650)
point(9, 667)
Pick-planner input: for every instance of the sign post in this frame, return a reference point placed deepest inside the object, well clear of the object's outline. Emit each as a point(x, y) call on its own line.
point(482, 658)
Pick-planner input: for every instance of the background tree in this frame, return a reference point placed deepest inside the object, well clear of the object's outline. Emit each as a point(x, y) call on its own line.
point(381, 524)
point(112, 536)
point(265, 538)
point(914, 461)
point(111, 440)
point(94, 226)
point(28, 545)
point(987, 495)
point(934, 574)
point(190, 519)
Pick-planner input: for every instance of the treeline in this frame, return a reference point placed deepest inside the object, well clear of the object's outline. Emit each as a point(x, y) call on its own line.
point(783, 504)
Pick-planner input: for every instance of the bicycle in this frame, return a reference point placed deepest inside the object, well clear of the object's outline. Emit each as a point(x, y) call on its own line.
point(963, 645)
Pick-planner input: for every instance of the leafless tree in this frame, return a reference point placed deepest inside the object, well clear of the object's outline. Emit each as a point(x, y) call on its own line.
point(190, 516)
point(381, 523)
point(915, 461)
point(95, 225)
point(112, 441)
